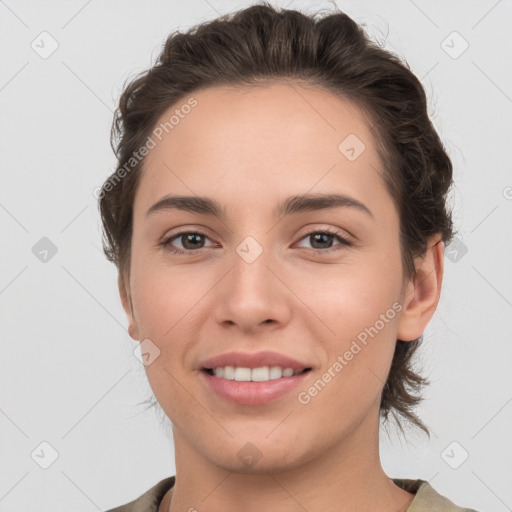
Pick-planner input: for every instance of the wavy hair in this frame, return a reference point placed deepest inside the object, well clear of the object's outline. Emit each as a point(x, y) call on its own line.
point(261, 44)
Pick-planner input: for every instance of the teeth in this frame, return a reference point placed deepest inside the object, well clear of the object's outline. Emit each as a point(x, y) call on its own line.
point(261, 374)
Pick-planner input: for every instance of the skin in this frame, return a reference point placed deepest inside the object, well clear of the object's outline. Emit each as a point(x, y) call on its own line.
point(248, 150)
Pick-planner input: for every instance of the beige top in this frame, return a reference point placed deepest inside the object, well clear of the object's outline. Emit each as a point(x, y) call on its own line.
point(426, 499)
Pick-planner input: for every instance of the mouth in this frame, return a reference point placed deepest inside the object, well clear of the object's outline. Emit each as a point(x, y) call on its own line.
point(262, 374)
point(238, 387)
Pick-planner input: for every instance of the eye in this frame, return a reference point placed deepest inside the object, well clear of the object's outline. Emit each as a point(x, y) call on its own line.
point(193, 241)
point(323, 240)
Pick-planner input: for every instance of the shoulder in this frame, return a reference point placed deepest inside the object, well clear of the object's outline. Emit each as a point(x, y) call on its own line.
point(427, 499)
point(150, 500)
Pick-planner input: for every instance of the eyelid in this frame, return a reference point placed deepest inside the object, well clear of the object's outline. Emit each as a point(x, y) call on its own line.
point(199, 229)
point(182, 230)
point(344, 240)
point(342, 233)
point(166, 239)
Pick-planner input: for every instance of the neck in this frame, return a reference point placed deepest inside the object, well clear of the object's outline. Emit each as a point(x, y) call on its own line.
point(348, 476)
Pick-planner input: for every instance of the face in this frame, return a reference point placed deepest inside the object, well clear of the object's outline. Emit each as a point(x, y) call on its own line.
point(312, 284)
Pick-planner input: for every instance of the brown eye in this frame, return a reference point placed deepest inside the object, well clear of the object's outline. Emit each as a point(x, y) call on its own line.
point(190, 241)
point(322, 241)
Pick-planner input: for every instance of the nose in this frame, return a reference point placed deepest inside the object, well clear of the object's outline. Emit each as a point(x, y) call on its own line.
point(253, 294)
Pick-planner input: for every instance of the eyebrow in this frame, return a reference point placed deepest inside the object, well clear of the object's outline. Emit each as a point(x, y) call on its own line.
point(291, 205)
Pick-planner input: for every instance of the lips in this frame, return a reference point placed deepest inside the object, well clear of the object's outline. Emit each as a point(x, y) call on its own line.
point(254, 360)
point(251, 393)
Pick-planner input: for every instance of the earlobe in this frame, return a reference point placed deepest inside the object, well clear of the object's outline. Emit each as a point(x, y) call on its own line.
point(422, 294)
point(124, 293)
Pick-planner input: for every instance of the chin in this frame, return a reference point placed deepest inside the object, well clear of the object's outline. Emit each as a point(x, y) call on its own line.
point(262, 466)
point(255, 457)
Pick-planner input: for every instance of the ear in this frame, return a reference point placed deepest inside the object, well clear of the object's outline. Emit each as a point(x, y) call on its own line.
point(124, 292)
point(422, 294)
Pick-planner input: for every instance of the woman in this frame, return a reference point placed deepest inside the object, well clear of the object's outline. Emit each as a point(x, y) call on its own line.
point(278, 219)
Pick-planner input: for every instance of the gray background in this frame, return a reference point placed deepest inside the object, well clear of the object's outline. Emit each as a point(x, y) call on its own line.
point(68, 374)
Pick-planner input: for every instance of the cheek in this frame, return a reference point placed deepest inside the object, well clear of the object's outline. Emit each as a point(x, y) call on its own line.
point(359, 309)
point(336, 305)
point(166, 302)
point(358, 305)
point(163, 296)
point(337, 301)
point(350, 296)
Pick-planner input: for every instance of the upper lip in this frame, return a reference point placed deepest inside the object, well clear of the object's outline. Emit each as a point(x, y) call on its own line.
point(254, 360)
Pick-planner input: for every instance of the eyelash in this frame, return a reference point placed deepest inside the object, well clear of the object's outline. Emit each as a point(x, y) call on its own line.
point(343, 241)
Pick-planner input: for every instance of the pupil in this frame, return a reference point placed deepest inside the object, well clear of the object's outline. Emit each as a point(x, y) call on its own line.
point(189, 238)
point(194, 239)
point(321, 235)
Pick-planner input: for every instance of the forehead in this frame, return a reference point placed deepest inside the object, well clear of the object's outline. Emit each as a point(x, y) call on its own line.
point(252, 141)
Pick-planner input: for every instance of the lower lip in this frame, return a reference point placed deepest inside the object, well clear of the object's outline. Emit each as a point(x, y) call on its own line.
point(253, 393)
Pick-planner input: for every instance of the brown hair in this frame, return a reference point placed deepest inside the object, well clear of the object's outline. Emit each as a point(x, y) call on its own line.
point(261, 44)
